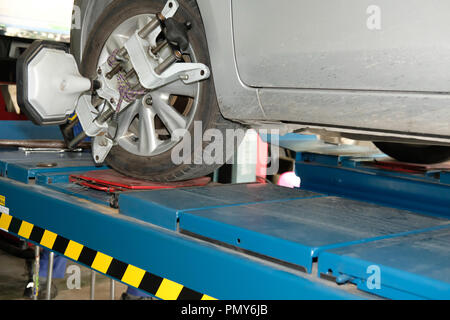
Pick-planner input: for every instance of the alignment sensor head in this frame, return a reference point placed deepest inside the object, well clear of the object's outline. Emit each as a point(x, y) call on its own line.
point(49, 83)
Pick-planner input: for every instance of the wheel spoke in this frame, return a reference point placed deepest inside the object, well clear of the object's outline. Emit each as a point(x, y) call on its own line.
point(126, 117)
point(114, 42)
point(148, 139)
point(141, 22)
point(104, 56)
point(168, 115)
point(120, 40)
point(179, 88)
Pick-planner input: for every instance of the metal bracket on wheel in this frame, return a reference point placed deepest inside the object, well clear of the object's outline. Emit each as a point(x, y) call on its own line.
point(88, 117)
point(101, 147)
point(138, 51)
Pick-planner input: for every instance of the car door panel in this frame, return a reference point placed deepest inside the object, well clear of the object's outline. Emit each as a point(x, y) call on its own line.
point(335, 44)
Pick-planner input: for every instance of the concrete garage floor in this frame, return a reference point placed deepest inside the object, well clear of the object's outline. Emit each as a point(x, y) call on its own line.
point(13, 279)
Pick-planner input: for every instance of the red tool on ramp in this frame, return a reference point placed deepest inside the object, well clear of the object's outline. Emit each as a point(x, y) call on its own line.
point(112, 181)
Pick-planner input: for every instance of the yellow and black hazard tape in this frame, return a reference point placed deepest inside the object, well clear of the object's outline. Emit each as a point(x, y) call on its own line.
point(131, 275)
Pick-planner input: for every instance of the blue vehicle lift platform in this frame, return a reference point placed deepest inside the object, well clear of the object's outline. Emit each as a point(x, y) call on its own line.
point(353, 231)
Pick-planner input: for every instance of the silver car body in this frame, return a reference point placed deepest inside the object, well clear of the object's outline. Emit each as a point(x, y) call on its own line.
point(374, 70)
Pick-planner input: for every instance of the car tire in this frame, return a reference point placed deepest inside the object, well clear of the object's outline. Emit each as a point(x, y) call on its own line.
point(422, 154)
point(161, 167)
